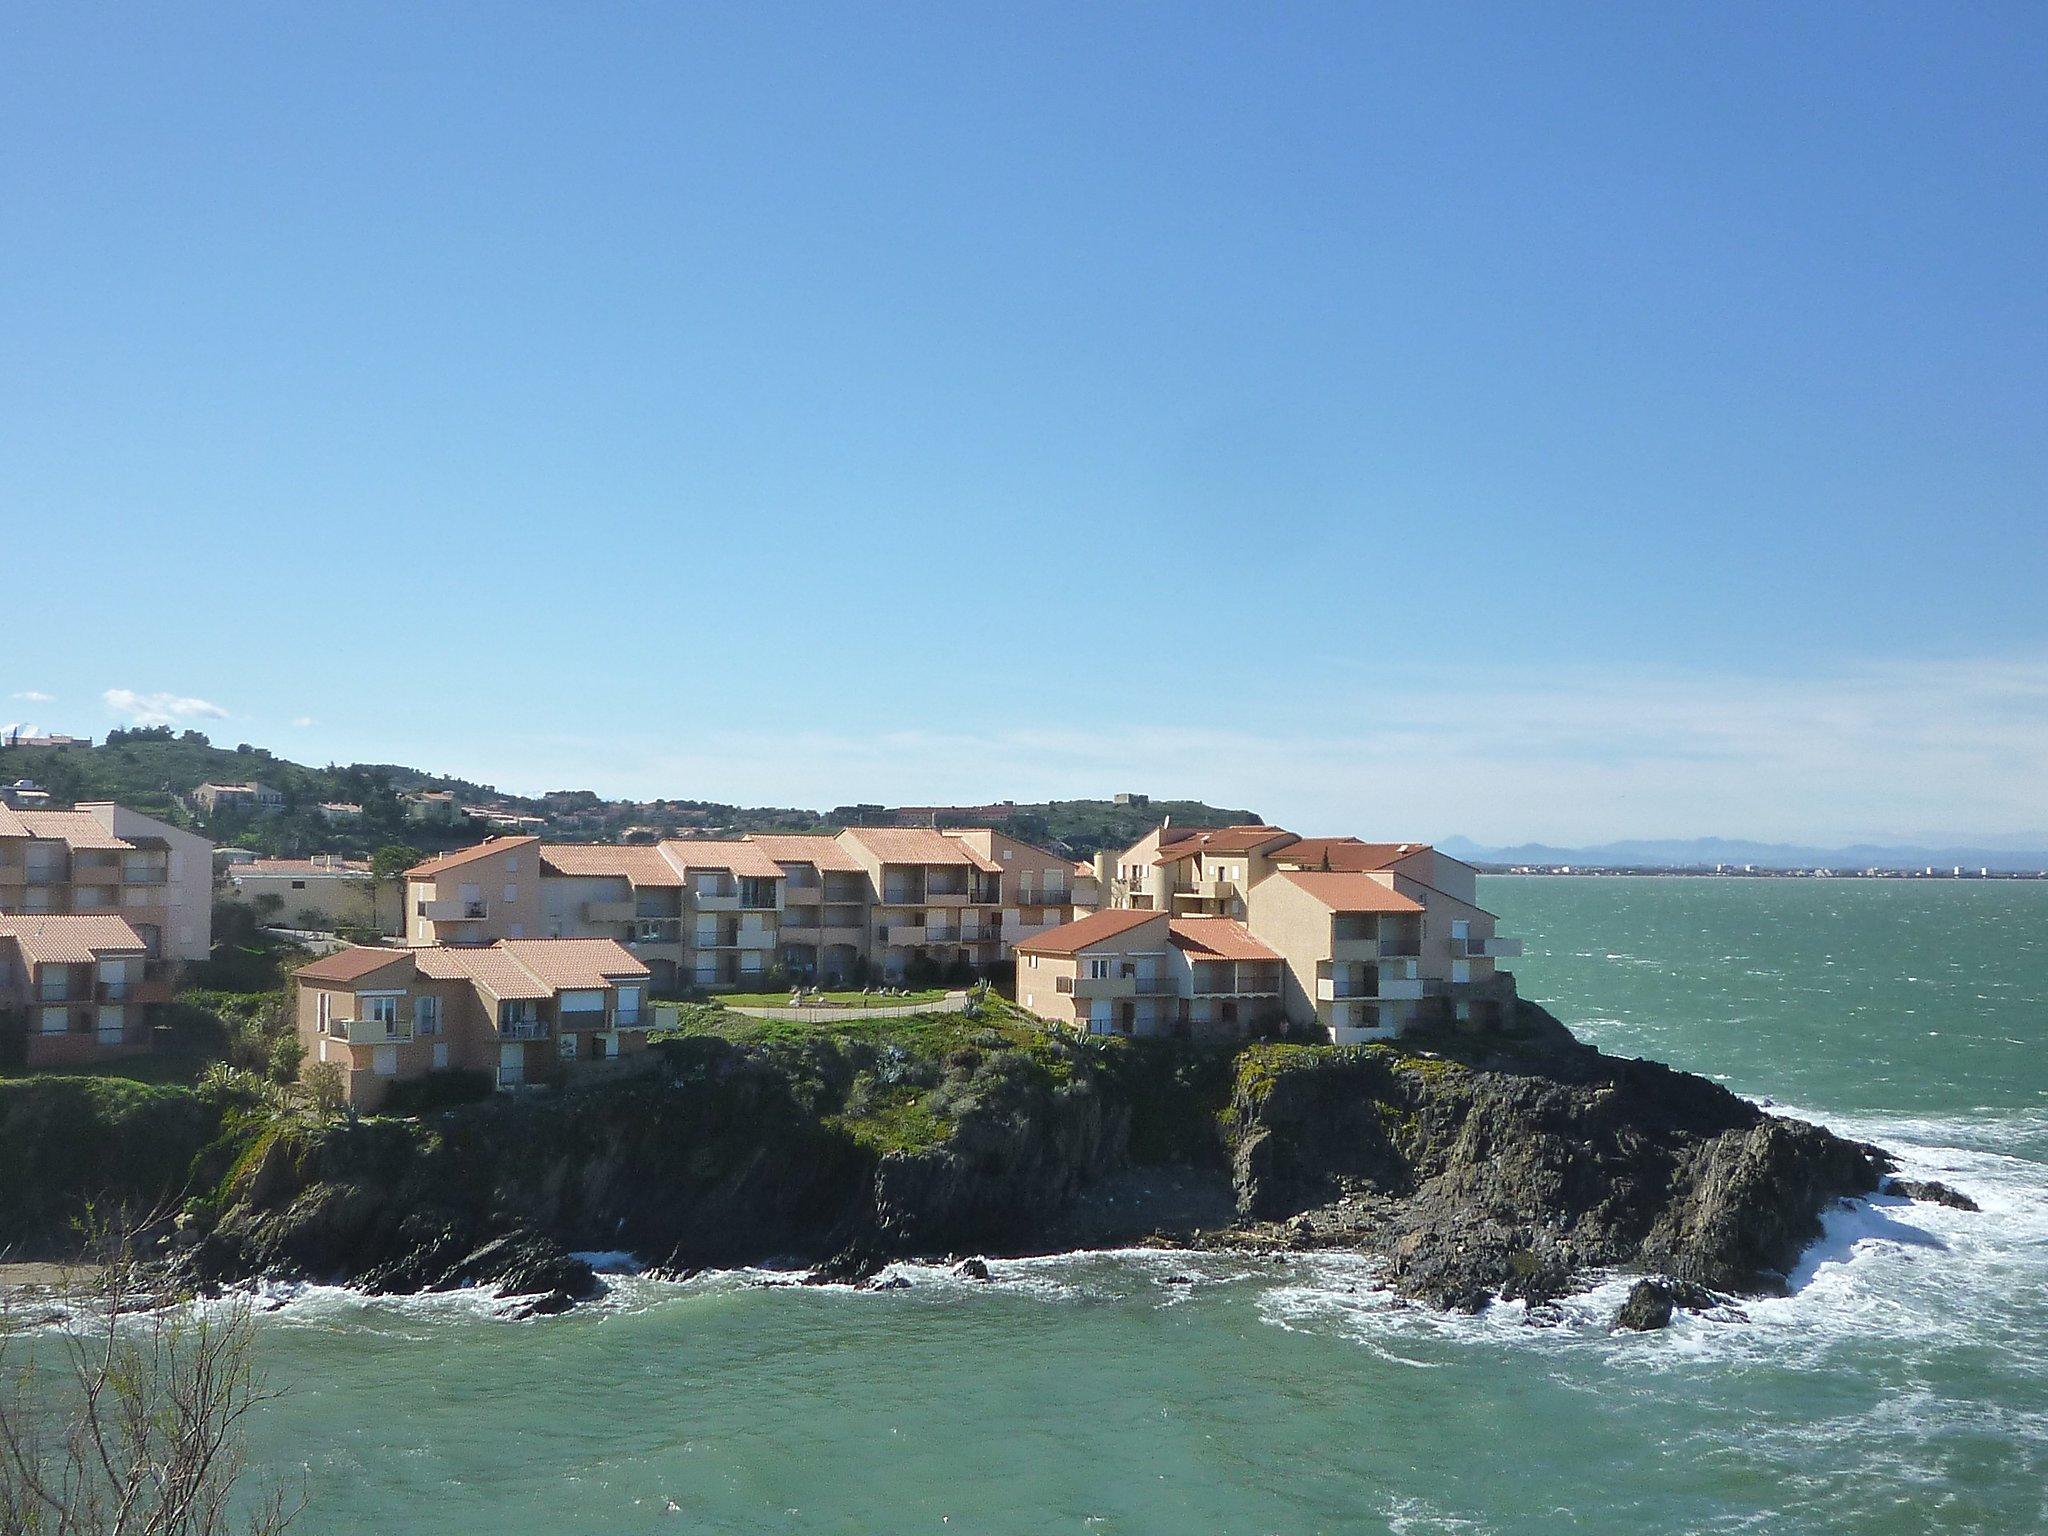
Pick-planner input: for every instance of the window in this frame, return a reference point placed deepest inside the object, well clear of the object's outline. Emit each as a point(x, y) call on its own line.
point(512, 867)
point(426, 1015)
point(566, 1046)
point(381, 1010)
point(55, 1021)
point(628, 1004)
point(298, 885)
point(323, 1010)
point(511, 893)
point(1098, 969)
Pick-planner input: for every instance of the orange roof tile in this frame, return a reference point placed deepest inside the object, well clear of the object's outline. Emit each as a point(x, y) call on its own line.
point(351, 964)
point(488, 967)
point(742, 858)
point(564, 963)
point(1070, 938)
point(1217, 938)
point(1350, 892)
point(78, 828)
point(1196, 840)
point(806, 848)
point(442, 863)
point(66, 940)
point(1343, 855)
point(637, 862)
point(909, 845)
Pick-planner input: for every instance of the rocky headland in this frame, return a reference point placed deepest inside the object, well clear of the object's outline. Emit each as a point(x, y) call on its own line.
point(1477, 1167)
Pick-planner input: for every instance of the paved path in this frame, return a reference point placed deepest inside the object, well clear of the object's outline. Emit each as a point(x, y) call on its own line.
point(952, 1002)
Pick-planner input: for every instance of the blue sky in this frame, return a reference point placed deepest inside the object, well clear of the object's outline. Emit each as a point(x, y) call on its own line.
point(1558, 422)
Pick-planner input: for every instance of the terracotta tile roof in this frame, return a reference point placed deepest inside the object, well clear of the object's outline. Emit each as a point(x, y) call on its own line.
point(352, 964)
point(78, 828)
point(1344, 855)
point(1070, 938)
point(447, 861)
point(488, 967)
point(563, 963)
point(741, 858)
point(11, 824)
point(70, 940)
point(638, 862)
point(1350, 892)
point(1217, 938)
point(797, 848)
point(909, 845)
point(1219, 840)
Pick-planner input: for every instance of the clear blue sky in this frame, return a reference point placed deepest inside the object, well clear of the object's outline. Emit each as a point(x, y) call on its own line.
point(1513, 420)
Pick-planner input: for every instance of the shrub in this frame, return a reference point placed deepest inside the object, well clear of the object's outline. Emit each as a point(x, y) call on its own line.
point(326, 1086)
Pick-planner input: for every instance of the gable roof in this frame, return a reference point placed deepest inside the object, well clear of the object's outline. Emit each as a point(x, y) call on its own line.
point(1350, 892)
point(1071, 938)
point(64, 940)
point(1343, 855)
point(559, 963)
point(442, 863)
point(806, 848)
point(351, 964)
point(637, 862)
point(1219, 840)
point(80, 829)
point(485, 966)
point(742, 858)
point(1217, 938)
point(909, 845)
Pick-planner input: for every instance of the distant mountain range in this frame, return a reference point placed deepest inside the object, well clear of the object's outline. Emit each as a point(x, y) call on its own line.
point(1706, 852)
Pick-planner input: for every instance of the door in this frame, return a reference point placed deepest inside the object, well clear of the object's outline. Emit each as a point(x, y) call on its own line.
point(511, 1065)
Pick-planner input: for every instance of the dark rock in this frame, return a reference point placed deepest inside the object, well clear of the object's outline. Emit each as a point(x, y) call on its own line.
point(1931, 1190)
point(1178, 1280)
point(1652, 1300)
point(888, 1283)
point(972, 1269)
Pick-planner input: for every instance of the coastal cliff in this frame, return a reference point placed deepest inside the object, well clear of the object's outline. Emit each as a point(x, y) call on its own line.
point(1478, 1167)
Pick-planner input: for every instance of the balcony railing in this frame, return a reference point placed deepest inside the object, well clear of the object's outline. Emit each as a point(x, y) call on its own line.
point(454, 909)
point(524, 1029)
point(371, 1031)
point(1044, 898)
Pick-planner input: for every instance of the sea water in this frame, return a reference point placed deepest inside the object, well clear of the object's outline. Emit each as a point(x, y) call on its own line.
point(1901, 1387)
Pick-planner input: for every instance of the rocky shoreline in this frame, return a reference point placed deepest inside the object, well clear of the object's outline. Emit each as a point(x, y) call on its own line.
point(1476, 1168)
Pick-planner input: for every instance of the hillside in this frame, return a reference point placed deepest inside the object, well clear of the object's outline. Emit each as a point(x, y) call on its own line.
point(155, 770)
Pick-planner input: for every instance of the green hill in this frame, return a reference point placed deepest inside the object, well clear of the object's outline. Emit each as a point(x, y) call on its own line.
point(155, 770)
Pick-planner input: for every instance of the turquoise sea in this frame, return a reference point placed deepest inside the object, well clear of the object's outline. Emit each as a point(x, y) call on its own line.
point(1903, 1387)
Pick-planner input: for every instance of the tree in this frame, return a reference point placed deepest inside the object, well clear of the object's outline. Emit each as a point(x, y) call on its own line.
point(393, 860)
point(130, 1423)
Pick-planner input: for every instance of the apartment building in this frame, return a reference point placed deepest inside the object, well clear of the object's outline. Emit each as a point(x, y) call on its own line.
point(102, 859)
point(523, 1010)
point(1129, 971)
point(252, 796)
point(1369, 938)
point(726, 913)
point(325, 892)
point(78, 987)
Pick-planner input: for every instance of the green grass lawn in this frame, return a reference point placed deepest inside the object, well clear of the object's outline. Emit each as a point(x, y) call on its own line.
point(924, 1032)
point(852, 999)
point(179, 1070)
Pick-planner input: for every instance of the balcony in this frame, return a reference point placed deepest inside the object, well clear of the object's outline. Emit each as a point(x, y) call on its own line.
point(1493, 949)
point(1098, 986)
point(454, 909)
point(524, 1029)
point(1044, 898)
point(941, 933)
point(716, 898)
point(45, 874)
point(118, 991)
point(371, 1031)
point(145, 874)
point(1207, 891)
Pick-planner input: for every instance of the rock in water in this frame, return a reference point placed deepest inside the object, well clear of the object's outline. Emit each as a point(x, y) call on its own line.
point(1931, 1189)
point(972, 1269)
point(1652, 1300)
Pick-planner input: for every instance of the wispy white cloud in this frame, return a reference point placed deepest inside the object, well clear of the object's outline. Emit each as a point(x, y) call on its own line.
point(302, 721)
point(160, 708)
point(1879, 749)
point(34, 696)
